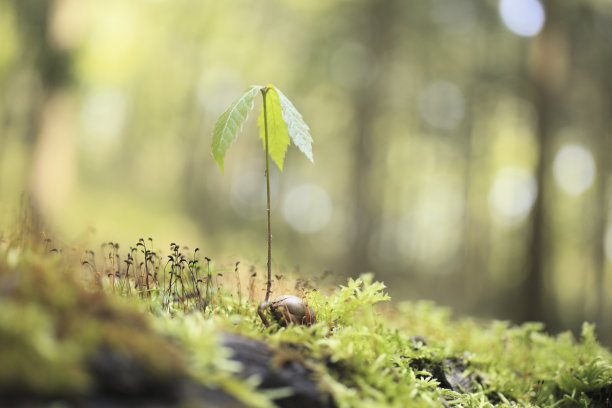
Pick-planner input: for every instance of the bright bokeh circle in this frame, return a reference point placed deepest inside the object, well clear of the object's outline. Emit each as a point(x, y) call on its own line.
point(523, 17)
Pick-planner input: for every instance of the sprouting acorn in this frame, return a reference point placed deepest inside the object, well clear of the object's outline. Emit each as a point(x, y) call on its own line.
point(287, 309)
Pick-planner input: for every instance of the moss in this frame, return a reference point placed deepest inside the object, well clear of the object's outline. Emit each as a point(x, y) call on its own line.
point(416, 355)
point(51, 326)
point(44, 358)
point(61, 334)
point(33, 359)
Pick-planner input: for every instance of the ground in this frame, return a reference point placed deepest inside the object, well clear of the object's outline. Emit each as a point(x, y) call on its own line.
point(153, 330)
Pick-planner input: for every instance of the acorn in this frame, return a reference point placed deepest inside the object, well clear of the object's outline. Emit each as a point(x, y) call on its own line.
point(287, 309)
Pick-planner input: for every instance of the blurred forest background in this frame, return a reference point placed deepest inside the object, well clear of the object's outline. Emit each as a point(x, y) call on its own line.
point(461, 146)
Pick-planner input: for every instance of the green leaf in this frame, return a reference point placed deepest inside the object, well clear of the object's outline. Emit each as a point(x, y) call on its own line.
point(278, 138)
point(297, 128)
point(230, 123)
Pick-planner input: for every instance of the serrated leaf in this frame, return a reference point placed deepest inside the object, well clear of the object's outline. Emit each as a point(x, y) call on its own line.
point(278, 138)
point(230, 123)
point(296, 127)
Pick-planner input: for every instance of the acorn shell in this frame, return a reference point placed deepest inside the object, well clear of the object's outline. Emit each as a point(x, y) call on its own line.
point(291, 309)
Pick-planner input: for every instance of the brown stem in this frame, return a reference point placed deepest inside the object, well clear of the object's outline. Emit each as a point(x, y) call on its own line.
point(260, 311)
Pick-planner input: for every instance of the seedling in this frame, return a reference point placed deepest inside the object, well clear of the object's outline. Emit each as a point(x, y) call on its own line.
point(279, 122)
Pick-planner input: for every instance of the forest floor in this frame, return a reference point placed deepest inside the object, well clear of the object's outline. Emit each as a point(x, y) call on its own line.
point(94, 328)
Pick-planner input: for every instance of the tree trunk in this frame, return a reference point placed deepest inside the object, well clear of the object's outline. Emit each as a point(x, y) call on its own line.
point(51, 70)
point(365, 191)
point(547, 70)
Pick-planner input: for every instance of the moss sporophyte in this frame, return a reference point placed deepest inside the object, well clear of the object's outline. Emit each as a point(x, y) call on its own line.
point(279, 122)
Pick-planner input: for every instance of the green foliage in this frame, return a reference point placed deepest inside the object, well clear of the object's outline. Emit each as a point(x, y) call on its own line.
point(363, 350)
point(278, 121)
point(297, 128)
point(278, 138)
point(33, 358)
point(586, 372)
point(230, 123)
point(591, 375)
point(366, 357)
point(281, 120)
point(351, 303)
point(53, 324)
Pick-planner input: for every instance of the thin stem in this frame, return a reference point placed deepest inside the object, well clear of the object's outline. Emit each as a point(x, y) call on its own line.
point(208, 279)
point(264, 91)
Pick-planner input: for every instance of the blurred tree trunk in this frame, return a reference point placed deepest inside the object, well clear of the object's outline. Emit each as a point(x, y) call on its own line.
point(547, 68)
point(601, 222)
point(49, 66)
point(602, 147)
point(367, 191)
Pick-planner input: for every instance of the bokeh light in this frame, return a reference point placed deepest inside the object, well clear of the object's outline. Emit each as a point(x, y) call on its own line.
point(512, 195)
point(523, 17)
point(574, 169)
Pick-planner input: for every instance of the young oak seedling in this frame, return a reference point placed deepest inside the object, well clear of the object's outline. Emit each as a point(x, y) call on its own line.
point(279, 121)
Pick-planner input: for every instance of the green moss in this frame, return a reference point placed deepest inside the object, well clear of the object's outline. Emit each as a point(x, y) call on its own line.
point(363, 350)
point(407, 355)
point(33, 358)
point(39, 355)
point(51, 326)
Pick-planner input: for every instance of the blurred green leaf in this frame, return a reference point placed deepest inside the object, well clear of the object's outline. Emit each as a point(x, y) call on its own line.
point(278, 138)
point(230, 123)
